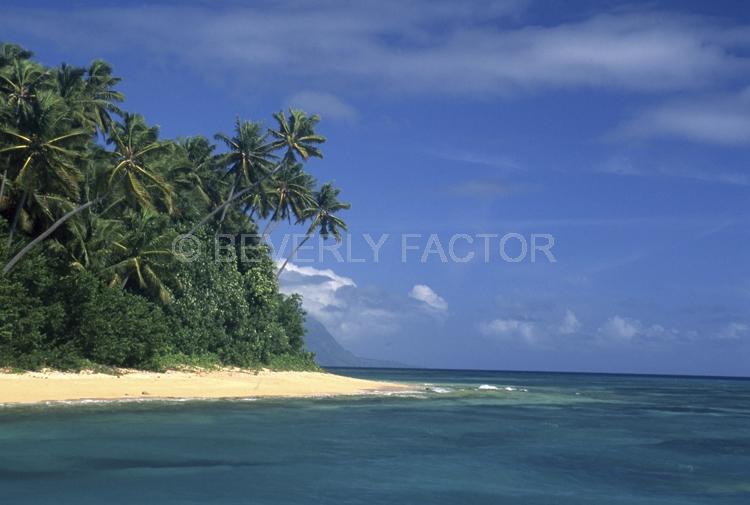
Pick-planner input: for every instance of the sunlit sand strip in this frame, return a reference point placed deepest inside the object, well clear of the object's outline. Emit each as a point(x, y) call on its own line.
point(36, 387)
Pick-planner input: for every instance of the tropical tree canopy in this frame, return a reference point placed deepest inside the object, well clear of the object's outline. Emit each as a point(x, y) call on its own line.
point(92, 201)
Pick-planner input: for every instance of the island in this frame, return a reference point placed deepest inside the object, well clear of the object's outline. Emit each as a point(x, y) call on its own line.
point(121, 249)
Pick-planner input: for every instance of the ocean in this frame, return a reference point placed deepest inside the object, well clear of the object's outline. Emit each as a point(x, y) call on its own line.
point(461, 437)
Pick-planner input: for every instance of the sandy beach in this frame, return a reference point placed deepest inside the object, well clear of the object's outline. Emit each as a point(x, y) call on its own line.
point(35, 387)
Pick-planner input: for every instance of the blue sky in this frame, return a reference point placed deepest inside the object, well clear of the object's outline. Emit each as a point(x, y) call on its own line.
point(622, 129)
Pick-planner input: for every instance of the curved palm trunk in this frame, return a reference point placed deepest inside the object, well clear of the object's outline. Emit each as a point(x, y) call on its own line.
point(23, 252)
point(270, 227)
point(17, 216)
point(49, 231)
point(247, 207)
point(270, 222)
point(238, 194)
point(292, 255)
point(2, 185)
point(226, 208)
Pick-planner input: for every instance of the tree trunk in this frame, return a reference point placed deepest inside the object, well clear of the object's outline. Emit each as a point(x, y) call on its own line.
point(247, 207)
point(237, 195)
point(274, 225)
point(270, 222)
point(23, 252)
point(2, 185)
point(17, 215)
point(278, 274)
point(229, 199)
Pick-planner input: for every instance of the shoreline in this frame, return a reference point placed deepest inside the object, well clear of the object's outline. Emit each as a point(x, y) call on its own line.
point(49, 386)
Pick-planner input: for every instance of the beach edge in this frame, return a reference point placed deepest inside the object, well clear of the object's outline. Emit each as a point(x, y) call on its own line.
point(30, 388)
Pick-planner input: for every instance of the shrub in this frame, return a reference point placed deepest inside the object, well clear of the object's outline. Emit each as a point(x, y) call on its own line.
point(118, 328)
point(303, 362)
point(31, 314)
point(209, 310)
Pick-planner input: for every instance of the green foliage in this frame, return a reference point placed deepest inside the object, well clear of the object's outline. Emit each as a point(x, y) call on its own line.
point(31, 312)
point(292, 318)
point(302, 362)
point(120, 329)
point(74, 321)
point(90, 278)
point(209, 309)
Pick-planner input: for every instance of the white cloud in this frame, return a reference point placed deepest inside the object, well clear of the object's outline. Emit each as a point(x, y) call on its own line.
point(335, 301)
point(659, 332)
point(357, 315)
point(625, 166)
point(733, 331)
point(420, 46)
point(539, 324)
point(619, 329)
point(510, 329)
point(716, 120)
point(426, 295)
point(326, 105)
point(319, 288)
point(493, 161)
point(570, 323)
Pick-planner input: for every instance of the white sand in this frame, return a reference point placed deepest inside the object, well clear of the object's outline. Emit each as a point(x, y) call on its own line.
point(34, 387)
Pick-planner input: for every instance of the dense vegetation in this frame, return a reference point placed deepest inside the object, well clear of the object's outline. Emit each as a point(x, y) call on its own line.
point(91, 202)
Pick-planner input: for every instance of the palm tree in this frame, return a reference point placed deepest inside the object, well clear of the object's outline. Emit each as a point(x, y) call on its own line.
point(100, 97)
point(133, 143)
point(248, 159)
point(20, 82)
point(292, 193)
point(41, 209)
point(133, 140)
point(69, 81)
point(199, 152)
point(92, 99)
point(45, 155)
point(323, 218)
point(190, 170)
point(297, 135)
point(92, 243)
point(18, 86)
point(143, 255)
point(11, 52)
point(8, 54)
point(5, 168)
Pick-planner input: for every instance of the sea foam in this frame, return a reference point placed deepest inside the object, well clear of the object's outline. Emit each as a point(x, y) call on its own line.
point(437, 389)
point(490, 387)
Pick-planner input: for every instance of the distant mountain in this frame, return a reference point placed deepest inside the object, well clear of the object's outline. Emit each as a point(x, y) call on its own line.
point(328, 352)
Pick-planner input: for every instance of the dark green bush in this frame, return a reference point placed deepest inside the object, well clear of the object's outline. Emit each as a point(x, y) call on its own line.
point(225, 312)
point(117, 328)
point(31, 314)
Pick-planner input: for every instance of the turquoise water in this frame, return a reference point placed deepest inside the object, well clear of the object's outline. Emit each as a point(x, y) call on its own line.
point(546, 439)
